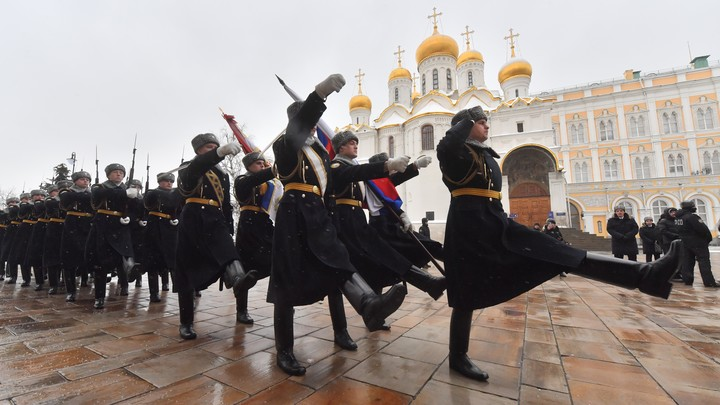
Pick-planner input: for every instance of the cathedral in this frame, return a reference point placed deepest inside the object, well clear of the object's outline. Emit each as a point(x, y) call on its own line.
point(645, 141)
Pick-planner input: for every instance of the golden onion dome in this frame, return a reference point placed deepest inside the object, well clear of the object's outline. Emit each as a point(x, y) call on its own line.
point(436, 44)
point(513, 68)
point(399, 73)
point(415, 95)
point(360, 101)
point(470, 56)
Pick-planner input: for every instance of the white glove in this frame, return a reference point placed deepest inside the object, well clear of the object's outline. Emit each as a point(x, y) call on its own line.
point(406, 224)
point(423, 161)
point(142, 223)
point(332, 83)
point(231, 148)
point(398, 164)
point(132, 192)
point(125, 220)
point(174, 222)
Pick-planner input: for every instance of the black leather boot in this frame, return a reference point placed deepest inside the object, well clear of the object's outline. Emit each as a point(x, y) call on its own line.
point(339, 322)
point(241, 301)
point(650, 278)
point(39, 275)
point(70, 297)
point(425, 281)
point(26, 275)
point(186, 301)
point(99, 281)
point(164, 277)
point(154, 287)
point(284, 340)
point(132, 270)
point(99, 303)
point(236, 278)
point(374, 308)
point(460, 322)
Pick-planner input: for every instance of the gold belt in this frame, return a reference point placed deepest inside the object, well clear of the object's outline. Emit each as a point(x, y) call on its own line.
point(477, 192)
point(160, 214)
point(79, 214)
point(202, 201)
point(308, 188)
point(108, 212)
point(2, 226)
point(58, 220)
point(43, 220)
point(28, 221)
point(15, 223)
point(348, 201)
point(251, 208)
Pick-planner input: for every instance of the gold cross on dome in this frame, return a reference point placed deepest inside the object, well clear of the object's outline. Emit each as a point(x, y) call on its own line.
point(414, 79)
point(512, 37)
point(466, 34)
point(434, 16)
point(399, 55)
point(359, 77)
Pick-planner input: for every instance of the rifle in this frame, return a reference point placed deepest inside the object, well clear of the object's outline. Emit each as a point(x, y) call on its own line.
point(147, 179)
point(97, 170)
point(132, 166)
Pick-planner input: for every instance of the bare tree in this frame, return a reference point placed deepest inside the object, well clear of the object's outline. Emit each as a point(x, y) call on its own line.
point(5, 194)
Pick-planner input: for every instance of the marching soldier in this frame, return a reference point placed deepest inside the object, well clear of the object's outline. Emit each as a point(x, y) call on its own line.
point(136, 212)
point(76, 202)
point(258, 194)
point(163, 206)
point(3, 225)
point(52, 247)
point(33, 256)
point(109, 244)
point(10, 236)
point(16, 257)
point(205, 250)
point(308, 260)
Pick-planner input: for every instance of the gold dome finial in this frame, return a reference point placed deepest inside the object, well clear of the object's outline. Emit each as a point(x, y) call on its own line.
point(436, 44)
point(434, 16)
point(359, 77)
point(399, 53)
point(467, 36)
point(360, 100)
point(415, 93)
point(512, 37)
point(515, 66)
point(399, 72)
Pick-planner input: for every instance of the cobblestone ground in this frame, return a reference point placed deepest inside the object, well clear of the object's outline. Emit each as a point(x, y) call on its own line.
point(570, 340)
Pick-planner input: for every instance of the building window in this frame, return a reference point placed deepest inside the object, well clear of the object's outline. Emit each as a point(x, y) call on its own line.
point(711, 162)
point(581, 173)
point(470, 79)
point(637, 127)
point(423, 84)
point(428, 137)
point(391, 146)
point(628, 206)
point(642, 168)
point(701, 209)
point(658, 207)
point(709, 118)
point(436, 84)
point(676, 166)
point(520, 127)
point(577, 133)
point(397, 94)
point(606, 130)
point(449, 81)
point(517, 93)
point(704, 118)
point(670, 123)
point(700, 119)
point(610, 168)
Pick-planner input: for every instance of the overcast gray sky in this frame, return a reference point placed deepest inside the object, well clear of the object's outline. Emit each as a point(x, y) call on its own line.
point(80, 73)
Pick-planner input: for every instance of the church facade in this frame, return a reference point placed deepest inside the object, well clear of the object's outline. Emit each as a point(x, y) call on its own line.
point(646, 141)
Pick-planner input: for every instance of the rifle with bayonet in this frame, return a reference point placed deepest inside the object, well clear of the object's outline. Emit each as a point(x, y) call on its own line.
point(97, 169)
point(147, 178)
point(132, 166)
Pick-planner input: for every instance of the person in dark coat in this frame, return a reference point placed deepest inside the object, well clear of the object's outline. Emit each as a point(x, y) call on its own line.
point(77, 204)
point(622, 229)
point(696, 238)
point(258, 193)
point(33, 256)
point(4, 221)
point(667, 229)
point(18, 250)
point(374, 258)
point(424, 229)
point(163, 205)
point(395, 227)
point(52, 247)
point(109, 247)
point(136, 213)
point(205, 250)
point(10, 238)
point(551, 229)
point(650, 239)
point(308, 260)
point(490, 258)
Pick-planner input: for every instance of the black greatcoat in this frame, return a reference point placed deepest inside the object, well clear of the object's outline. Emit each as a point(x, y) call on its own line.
point(389, 228)
point(255, 228)
point(4, 221)
point(33, 257)
point(205, 244)
point(136, 212)
point(649, 235)
point(19, 248)
point(378, 263)
point(109, 240)
point(76, 228)
point(309, 261)
point(160, 234)
point(623, 231)
point(53, 232)
point(10, 233)
point(489, 258)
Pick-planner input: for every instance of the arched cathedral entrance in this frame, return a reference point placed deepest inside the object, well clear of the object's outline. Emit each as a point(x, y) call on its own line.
point(527, 171)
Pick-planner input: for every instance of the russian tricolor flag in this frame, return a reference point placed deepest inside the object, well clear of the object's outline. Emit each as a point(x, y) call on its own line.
point(326, 141)
point(385, 189)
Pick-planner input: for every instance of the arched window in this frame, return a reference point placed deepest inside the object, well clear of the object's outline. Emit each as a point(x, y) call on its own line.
point(642, 168)
point(574, 134)
point(428, 137)
point(423, 83)
point(436, 84)
point(641, 126)
point(701, 208)
point(391, 146)
point(606, 130)
point(397, 95)
point(603, 131)
point(633, 127)
point(581, 172)
point(628, 206)
point(700, 119)
point(470, 78)
point(709, 118)
point(676, 166)
point(666, 123)
point(674, 123)
point(449, 80)
point(711, 162)
point(658, 206)
point(610, 168)
point(581, 133)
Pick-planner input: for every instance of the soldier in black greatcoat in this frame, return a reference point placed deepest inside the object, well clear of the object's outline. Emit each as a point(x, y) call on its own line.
point(373, 257)
point(10, 237)
point(109, 245)
point(52, 248)
point(163, 206)
point(258, 193)
point(4, 221)
point(33, 256)
point(667, 229)
point(490, 259)
point(76, 202)
point(695, 237)
point(136, 213)
point(206, 251)
point(18, 250)
point(308, 260)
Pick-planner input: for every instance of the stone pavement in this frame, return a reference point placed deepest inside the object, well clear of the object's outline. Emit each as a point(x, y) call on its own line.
point(569, 341)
